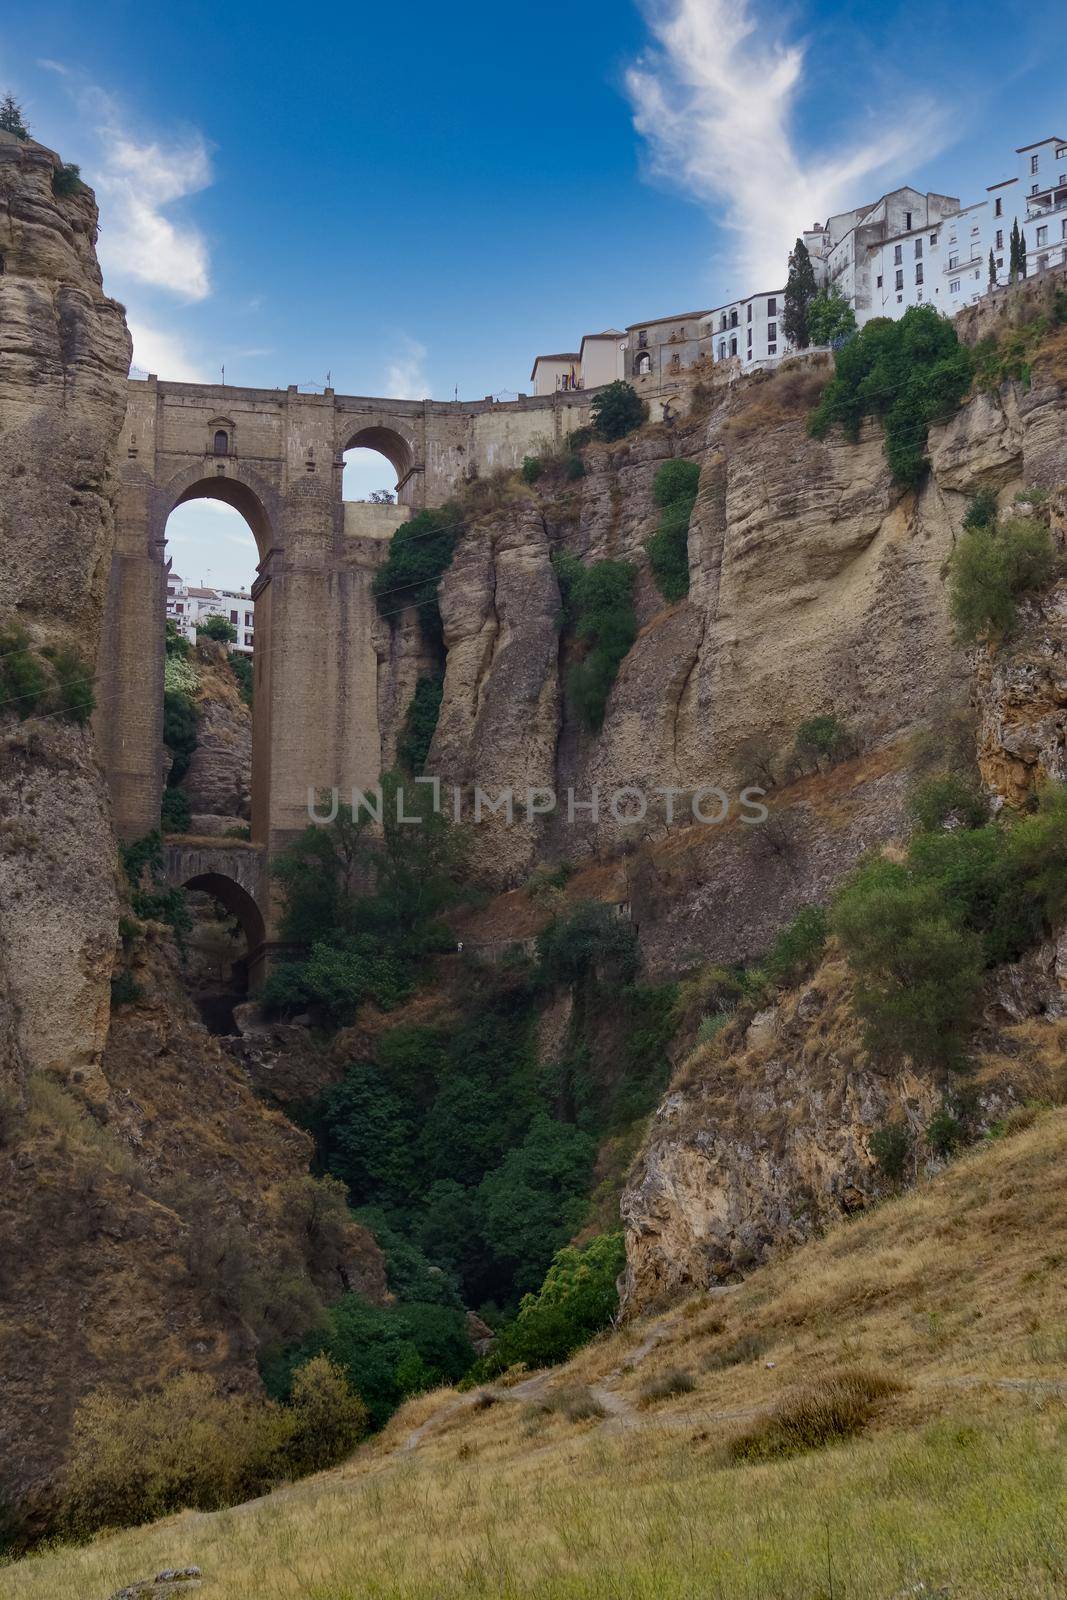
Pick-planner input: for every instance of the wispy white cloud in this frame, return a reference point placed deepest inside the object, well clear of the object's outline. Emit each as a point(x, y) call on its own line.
point(160, 351)
point(716, 96)
point(137, 182)
point(53, 66)
point(406, 373)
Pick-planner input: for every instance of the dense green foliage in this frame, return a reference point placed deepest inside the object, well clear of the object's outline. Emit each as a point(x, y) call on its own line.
point(67, 180)
point(891, 1148)
point(830, 317)
point(909, 373)
point(947, 795)
point(598, 611)
point(532, 468)
point(993, 564)
point(176, 813)
point(386, 1353)
point(419, 552)
point(180, 718)
point(241, 667)
point(221, 629)
point(12, 117)
point(675, 490)
point(617, 410)
point(919, 934)
point(822, 739)
point(420, 725)
point(797, 948)
point(24, 680)
point(136, 1458)
point(577, 1298)
point(151, 898)
point(368, 907)
point(800, 291)
point(52, 682)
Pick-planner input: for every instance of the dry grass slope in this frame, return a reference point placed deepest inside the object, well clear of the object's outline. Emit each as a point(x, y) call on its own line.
point(932, 1332)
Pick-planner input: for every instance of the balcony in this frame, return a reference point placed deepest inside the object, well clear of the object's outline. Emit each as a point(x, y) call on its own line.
point(1043, 205)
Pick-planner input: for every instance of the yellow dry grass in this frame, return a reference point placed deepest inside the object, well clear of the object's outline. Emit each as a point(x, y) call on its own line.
point(951, 1298)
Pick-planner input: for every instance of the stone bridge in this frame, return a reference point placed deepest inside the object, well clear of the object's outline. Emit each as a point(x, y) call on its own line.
point(235, 874)
point(277, 456)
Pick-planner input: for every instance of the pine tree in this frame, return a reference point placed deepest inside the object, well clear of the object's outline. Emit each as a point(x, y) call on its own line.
point(11, 120)
point(1017, 255)
point(799, 293)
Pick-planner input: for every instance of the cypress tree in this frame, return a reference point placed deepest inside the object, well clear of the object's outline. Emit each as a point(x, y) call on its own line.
point(992, 269)
point(11, 120)
point(799, 293)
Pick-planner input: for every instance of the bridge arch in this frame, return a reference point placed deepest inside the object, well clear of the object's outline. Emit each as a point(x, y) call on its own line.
point(236, 900)
point(237, 488)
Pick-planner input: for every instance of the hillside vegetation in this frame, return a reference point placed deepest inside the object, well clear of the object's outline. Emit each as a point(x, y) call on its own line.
point(880, 1414)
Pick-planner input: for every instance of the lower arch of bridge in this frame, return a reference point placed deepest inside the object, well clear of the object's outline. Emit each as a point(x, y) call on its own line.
point(237, 901)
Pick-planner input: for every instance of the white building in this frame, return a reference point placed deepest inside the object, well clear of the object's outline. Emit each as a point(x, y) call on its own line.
point(188, 604)
point(598, 360)
point(907, 248)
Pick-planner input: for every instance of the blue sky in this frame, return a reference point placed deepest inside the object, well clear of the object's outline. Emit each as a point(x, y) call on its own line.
point(418, 199)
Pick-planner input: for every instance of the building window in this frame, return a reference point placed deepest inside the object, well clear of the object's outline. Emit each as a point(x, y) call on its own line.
point(642, 339)
point(1042, 263)
point(918, 272)
point(1061, 150)
point(772, 349)
point(772, 306)
point(1042, 236)
point(954, 286)
point(722, 349)
point(898, 254)
point(1033, 163)
point(879, 281)
point(733, 321)
point(998, 207)
point(953, 263)
point(248, 640)
point(178, 606)
point(907, 222)
point(222, 442)
point(748, 312)
point(772, 330)
point(999, 245)
point(248, 619)
point(900, 279)
point(1034, 187)
point(643, 363)
point(233, 616)
point(933, 240)
point(918, 249)
point(733, 347)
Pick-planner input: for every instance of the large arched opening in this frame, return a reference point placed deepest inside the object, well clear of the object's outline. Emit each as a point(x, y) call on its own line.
point(227, 934)
point(218, 536)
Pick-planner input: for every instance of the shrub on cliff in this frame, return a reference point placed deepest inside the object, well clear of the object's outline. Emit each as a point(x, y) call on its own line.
point(617, 410)
point(909, 373)
point(176, 814)
point(23, 675)
point(221, 629)
point(585, 937)
point(598, 610)
point(420, 551)
point(328, 1417)
point(674, 488)
point(577, 1299)
point(420, 725)
point(180, 719)
point(993, 564)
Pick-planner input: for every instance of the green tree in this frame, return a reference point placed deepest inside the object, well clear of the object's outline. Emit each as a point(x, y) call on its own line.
point(908, 373)
point(992, 269)
point(12, 119)
point(180, 720)
point(1017, 253)
point(991, 566)
point(800, 291)
point(674, 488)
point(598, 608)
point(917, 969)
point(617, 410)
point(221, 629)
point(420, 724)
point(578, 1297)
point(829, 317)
point(420, 551)
point(536, 1199)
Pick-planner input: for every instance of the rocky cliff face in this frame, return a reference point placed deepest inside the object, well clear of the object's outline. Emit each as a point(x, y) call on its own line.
point(155, 1214)
point(64, 354)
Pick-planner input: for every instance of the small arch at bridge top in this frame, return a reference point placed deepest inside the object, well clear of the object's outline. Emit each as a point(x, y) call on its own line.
point(236, 900)
point(389, 443)
point(232, 492)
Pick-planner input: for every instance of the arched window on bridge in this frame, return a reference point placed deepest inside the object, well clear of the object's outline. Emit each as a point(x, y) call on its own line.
point(643, 364)
point(222, 442)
